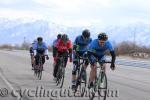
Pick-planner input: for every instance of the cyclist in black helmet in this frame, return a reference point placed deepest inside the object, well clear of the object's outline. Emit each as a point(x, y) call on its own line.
point(40, 47)
point(79, 49)
point(96, 50)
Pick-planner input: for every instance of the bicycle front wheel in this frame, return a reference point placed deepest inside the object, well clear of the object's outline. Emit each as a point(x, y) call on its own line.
point(102, 86)
point(62, 78)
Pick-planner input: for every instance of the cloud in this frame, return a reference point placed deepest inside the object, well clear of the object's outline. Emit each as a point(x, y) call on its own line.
point(9, 13)
point(8, 2)
point(79, 12)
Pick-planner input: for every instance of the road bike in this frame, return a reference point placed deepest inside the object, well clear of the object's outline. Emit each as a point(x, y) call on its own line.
point(100, 82)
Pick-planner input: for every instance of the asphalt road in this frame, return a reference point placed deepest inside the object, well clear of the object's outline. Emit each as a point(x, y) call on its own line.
point(17, 80)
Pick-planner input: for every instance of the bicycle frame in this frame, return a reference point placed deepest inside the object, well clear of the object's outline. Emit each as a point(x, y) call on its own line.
point(61, 71)
point(39, 68)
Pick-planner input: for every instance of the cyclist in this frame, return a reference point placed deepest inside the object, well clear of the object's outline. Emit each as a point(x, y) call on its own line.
point(32, 53)
point(63, 48)
point(40, 48)
point(54, 50)
point(97, 50)
point(80, 47)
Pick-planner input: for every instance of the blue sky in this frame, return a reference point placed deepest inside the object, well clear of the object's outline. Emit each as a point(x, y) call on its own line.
point(78, 12)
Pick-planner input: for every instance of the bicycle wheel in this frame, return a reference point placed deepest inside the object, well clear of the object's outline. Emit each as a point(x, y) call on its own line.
point(35, 71)
point(40, 68)
point(83, 82)
point(58, 75)
point(102, 86)
point(40, 74)
point(78, 80)
point(61, 74)
point(62, 77)
point(93, 90)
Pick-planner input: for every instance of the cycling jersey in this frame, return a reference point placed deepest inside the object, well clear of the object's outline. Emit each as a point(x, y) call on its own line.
point(38, 46)
point(62, 47)
point(99, 50)
point(81, 44)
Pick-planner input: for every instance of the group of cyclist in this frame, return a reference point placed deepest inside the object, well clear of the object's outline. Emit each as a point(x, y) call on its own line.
point(83, 46)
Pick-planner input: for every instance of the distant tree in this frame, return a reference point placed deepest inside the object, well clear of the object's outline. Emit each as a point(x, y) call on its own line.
point(25, 45)
point(129, 48)
point(6, 46)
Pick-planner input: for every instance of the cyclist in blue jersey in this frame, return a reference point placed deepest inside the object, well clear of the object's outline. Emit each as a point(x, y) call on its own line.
point(79, 48)
point(40, 47)
point(96, 50)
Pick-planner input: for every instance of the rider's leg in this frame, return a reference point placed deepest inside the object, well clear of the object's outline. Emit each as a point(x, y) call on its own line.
point(43, 61)
point(85, 65)
point(92, 74)
point(104, 67)
point(83, 70)
point(74, 70)
point(66, 60)
point(54, 64)
point(36, 61)
point(32, 61)
point(56, 68)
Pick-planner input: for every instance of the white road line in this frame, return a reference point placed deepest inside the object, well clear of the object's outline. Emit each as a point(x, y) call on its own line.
point(9, 85)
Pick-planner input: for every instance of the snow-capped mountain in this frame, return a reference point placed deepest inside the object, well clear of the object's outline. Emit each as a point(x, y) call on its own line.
point(15, 31)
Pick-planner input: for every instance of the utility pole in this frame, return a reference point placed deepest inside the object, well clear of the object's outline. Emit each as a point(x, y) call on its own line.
point(24, 40)
point(134, 41)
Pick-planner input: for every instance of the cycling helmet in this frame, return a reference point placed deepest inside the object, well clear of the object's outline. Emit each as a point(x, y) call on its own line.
point(86, 33)
point(59, 36)
point(65, 37)
point(39, 39)
point(102, 36)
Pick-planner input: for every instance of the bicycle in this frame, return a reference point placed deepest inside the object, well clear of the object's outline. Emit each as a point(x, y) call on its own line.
point(61, 71)
point(100, 82)
point(81, 76)
point(39, 68)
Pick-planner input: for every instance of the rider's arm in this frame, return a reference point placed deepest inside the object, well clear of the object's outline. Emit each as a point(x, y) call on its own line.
point(69, 46)
point(56, 48)
point(53, 46)
point(46, 52)
point(91, 52)
point(75, 44)
point(35, 48)
point(70, 52)
point(54, 51)
point(113, 55)
point(46, 49)
point(112, 52)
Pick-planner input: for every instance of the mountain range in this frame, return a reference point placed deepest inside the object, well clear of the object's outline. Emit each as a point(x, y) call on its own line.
point(17, 31)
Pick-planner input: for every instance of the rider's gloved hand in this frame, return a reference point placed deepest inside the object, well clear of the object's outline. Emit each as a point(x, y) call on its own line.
point(55, 59)
point(112, 66)
point(47, 57)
